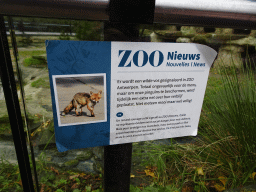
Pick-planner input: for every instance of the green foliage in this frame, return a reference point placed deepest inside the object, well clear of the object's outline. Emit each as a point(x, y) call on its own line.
point(9, 177)
point(213, 85)
point(232, 126)
point(59, 190)
point(201, 39)
point(85, 155)
point(5, 124)
point(88, 30)
point(154, 188)
point(29, 53)
point(134, 189)
point(35, 61)
point(57, 179)
point(224, 154)
point(62, 181)
point(64, 36)
point(41, 83)
point(73, 162)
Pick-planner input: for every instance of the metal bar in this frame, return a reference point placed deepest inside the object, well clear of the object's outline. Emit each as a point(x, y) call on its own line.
point(217, 13)
point(117, 167)
point(13, 107)
point(142, 11)
point(71, 9)
point(117, 158)
point(16, 55)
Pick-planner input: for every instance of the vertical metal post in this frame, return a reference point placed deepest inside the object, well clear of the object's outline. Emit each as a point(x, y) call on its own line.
point(117, 167)
point(13, 107)
point(117, 158)
point(123, 16)
point(15, 53)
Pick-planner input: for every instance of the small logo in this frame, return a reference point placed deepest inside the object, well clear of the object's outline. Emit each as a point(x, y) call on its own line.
point(119, 114)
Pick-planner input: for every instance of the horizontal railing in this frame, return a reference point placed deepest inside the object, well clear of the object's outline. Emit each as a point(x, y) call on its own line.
point(222, 13)
point(218, 13)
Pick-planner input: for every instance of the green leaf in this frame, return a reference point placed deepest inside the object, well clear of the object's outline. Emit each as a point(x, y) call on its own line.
point(134, 189)
point(59, 190)
point(88, 188)
point(150, 189)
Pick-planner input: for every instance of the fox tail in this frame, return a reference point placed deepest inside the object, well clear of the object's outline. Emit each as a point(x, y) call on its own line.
point(68, 108)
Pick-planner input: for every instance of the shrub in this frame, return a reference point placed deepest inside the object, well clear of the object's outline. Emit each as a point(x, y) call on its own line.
point(35, 61)
point(88, 30)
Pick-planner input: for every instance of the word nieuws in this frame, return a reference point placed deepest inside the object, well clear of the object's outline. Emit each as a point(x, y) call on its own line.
point(140, 58)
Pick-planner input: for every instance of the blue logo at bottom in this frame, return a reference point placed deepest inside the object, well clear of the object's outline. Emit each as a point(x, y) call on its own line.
point(119, 114)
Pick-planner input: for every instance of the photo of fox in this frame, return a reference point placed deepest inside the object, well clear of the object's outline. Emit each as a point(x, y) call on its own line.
point(83, 99)
point(74, 93)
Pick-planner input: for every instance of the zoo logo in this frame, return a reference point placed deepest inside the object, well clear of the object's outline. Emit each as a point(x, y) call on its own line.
point(127, 58)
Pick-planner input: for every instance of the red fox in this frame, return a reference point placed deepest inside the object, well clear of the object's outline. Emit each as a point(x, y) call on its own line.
point(82, 99)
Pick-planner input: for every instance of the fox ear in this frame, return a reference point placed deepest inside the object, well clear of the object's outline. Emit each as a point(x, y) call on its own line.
point(100, 92)
point(91, 92)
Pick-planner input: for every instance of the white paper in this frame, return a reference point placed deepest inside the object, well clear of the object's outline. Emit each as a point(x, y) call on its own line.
point(157, 89)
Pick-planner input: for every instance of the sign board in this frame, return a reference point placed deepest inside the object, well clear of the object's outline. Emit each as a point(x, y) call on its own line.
point(106, 93)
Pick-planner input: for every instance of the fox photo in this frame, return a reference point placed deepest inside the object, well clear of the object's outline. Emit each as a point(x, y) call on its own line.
point(80, 99)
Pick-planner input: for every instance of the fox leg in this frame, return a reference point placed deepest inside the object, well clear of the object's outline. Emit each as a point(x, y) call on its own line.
point(92, 113)
point(81, 111)
point(90, 107)
point(76, 108)
point(77, 113)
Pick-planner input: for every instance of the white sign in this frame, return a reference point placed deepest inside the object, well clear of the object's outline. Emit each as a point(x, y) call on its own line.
point(157, 89)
